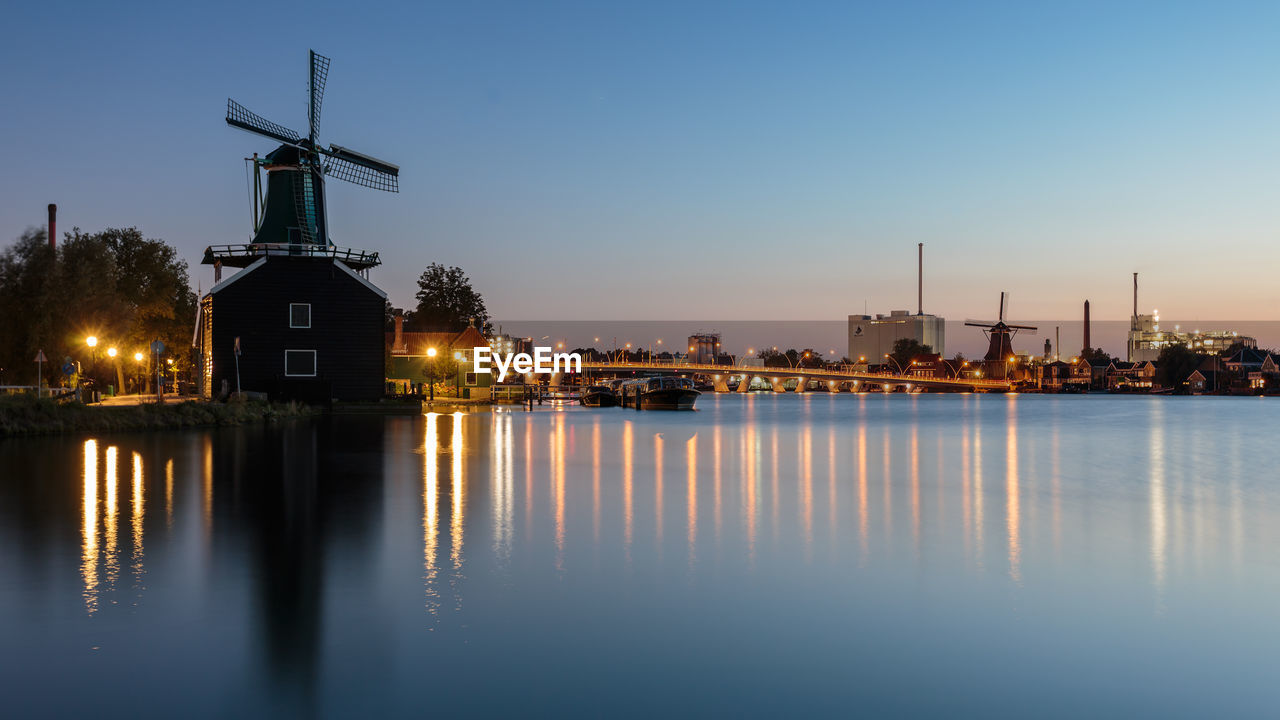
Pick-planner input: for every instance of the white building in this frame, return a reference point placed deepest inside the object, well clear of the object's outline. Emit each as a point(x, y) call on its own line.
point(871, 338)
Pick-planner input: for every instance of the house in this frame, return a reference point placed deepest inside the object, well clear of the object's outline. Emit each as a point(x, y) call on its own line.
point(411, 363)
point(1253, 368)
point(305, 327)
point(1137, 376)
point(1060, 375)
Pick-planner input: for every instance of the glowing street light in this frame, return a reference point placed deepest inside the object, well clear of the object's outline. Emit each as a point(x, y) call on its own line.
point(92, 341)
point(112, 352)
point(431, 352)
point(138, 357)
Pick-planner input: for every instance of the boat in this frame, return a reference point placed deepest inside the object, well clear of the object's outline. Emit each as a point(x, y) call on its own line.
point(659, 393)
point(599, 396)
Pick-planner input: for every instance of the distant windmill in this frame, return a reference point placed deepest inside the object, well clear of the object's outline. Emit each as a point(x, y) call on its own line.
point(1001, 335)
point(294, 210)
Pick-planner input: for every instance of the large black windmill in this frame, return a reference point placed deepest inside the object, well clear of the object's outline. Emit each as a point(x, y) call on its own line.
point(1000, 334)
point(301, 319)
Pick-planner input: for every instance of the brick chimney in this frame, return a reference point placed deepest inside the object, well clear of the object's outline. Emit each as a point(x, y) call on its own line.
point(53, 226)
point(397, 344)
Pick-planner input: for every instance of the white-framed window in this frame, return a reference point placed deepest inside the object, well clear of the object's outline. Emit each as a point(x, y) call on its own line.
point(299, 315)
point(300, 363)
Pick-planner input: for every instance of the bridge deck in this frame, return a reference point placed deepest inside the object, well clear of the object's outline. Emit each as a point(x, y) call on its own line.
point(823, 375)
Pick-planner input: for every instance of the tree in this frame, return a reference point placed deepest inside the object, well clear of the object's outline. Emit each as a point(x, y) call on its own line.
point(117, 285)
point(448, 303)
point(1096, 356)
point(1175, 364)
point(907, 349)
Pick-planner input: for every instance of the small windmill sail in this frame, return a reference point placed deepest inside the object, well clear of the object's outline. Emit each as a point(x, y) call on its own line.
point(295, 211)
point(1000, 334)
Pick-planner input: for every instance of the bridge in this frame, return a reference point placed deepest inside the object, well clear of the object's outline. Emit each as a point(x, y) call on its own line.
point(836, 380)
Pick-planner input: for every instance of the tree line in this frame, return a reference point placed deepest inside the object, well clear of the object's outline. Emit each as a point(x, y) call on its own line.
point(116, 285)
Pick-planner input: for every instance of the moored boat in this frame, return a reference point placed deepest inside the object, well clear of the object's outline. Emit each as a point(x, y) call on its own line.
point(659, 393)
point(599, 396)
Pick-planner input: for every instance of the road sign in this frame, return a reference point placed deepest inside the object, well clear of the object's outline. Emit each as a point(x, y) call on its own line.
point(40, 356)
point(237, 345)
point(68, 369)
point(157, 347)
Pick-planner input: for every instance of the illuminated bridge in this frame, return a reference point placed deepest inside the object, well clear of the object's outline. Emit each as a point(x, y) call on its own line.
point(835, 380)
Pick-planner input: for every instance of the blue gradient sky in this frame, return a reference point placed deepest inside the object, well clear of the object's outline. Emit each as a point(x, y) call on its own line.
point(735, 161)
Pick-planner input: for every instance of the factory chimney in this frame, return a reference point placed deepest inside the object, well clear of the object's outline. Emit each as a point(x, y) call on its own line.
point(1086, 326)
point(920, 280)
point(1135, 301)
point(53, 226)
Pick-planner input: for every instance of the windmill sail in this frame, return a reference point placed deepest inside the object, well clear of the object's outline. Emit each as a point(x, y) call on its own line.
point(240, 116)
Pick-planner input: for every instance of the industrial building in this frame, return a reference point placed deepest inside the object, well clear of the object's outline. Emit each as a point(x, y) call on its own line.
point(1146, 339)
point(871, 338)
point(704, 348)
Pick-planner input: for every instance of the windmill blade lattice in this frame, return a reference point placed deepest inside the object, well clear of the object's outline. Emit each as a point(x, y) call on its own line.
point(319, 75)
point(350, 168)
point(241, 117)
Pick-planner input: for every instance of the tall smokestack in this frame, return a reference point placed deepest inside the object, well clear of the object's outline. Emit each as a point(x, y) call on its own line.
point(1135, 297)
point(53, 226)
point(1086, 325)
point(920, 280)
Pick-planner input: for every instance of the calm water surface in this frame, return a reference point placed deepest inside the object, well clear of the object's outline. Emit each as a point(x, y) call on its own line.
point(873, 555)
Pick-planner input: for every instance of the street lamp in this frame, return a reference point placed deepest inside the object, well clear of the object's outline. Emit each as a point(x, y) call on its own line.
point(895, 362)
point(112, 352)
point(457, 381)
point(137, 357)
point(431, 372)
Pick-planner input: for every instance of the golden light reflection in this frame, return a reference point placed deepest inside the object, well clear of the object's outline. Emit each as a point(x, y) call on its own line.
point(207, 481)
point(1159, 508)
point(503, 486)
point(806, 487)
point(168, 492)
point(774, 500)
point(595, 480)
point(112, 564)
point(751, 452)
point(966, 489)
point(831, 483)
point(657, 490)
point(137, 512)
point(888, 486)
point(430, 511)
point(717, 462)
point(915, 487)
point(691, 462)
point(89, 528)
point(558, 481)
point(1011, 492)
point(862, 489)
point(978, 524)
point(458, 496)
point(628, 458)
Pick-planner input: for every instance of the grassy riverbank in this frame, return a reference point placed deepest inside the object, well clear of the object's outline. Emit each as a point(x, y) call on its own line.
point(25, 415)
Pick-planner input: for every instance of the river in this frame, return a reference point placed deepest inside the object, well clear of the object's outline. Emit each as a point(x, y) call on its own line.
point(766, 555)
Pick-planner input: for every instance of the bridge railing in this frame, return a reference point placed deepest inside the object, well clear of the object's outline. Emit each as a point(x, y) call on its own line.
point(815, 373)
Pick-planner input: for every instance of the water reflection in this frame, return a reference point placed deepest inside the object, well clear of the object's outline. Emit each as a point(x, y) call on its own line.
point(318, 555)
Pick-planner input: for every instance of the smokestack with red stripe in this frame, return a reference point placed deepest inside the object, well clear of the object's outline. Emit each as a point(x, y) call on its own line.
point(53, 226)
point(920, 280)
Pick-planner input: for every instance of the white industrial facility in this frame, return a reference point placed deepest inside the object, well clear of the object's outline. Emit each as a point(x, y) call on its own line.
point(871, 338)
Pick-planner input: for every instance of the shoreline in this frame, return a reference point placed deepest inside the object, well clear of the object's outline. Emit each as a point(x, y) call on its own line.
point(25, 416)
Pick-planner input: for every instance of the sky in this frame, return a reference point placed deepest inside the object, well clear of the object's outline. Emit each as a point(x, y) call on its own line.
point(738, 161)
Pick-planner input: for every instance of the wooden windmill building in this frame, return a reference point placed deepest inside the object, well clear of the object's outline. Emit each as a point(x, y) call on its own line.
point(300, 319)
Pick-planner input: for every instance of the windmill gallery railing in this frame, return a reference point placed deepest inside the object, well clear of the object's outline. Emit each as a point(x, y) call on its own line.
point(245, 254)
point(774, 374)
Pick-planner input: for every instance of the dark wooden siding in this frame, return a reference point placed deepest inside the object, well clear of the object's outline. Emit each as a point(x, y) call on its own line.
point(346, 331)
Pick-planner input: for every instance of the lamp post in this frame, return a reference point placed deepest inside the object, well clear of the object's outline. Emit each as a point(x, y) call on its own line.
point(431, 372)
point(137, 357)
point(457, 380)
point(895, 362)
